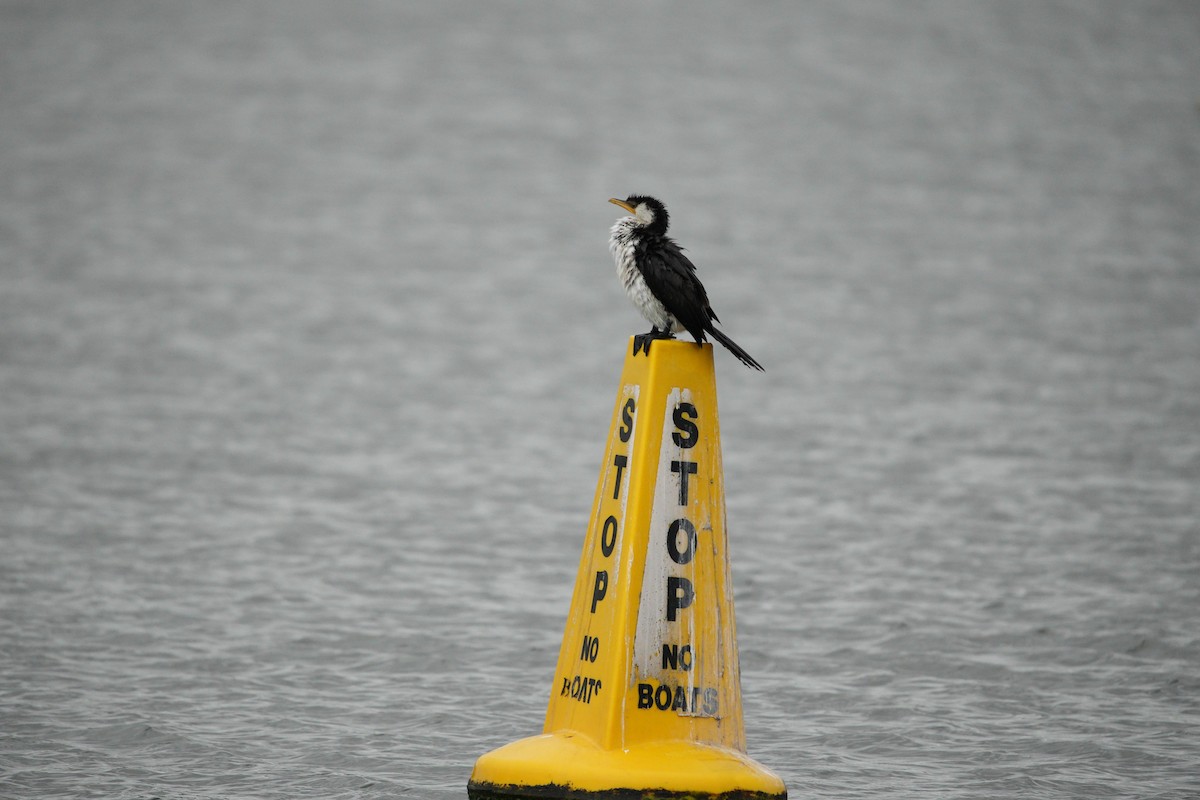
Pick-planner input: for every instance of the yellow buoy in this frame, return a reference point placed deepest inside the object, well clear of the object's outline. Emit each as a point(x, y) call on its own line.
point(646, 699)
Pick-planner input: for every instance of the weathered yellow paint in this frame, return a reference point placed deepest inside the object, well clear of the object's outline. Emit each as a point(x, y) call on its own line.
point(646, 696)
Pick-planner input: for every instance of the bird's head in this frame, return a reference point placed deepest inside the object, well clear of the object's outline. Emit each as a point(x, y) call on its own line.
point(649, 213)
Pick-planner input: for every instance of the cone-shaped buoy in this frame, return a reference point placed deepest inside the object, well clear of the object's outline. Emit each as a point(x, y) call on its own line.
point(646, 699)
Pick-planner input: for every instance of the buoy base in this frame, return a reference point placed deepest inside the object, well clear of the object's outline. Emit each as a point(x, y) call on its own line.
point(571, 766)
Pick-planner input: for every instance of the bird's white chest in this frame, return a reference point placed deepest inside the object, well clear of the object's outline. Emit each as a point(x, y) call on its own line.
point(621, 246)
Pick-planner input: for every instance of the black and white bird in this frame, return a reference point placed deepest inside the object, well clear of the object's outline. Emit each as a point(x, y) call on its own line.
point(660, 280)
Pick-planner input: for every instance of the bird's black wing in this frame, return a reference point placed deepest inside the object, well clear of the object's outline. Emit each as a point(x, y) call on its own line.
point(671, 276)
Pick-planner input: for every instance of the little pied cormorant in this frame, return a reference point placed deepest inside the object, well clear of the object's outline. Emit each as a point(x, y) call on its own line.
point(660, 280)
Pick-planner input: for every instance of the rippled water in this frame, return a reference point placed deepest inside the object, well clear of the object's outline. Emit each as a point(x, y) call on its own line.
point(309, 339)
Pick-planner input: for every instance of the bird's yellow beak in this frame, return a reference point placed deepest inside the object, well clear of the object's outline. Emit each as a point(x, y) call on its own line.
point(623, 205)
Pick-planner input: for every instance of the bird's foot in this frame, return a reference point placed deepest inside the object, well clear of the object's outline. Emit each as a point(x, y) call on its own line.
point(642, 341)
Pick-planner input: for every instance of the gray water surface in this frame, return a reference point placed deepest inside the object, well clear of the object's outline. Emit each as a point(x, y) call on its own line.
point(309, 339)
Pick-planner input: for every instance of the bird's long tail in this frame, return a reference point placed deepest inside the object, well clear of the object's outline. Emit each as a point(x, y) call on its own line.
point(733, 347)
